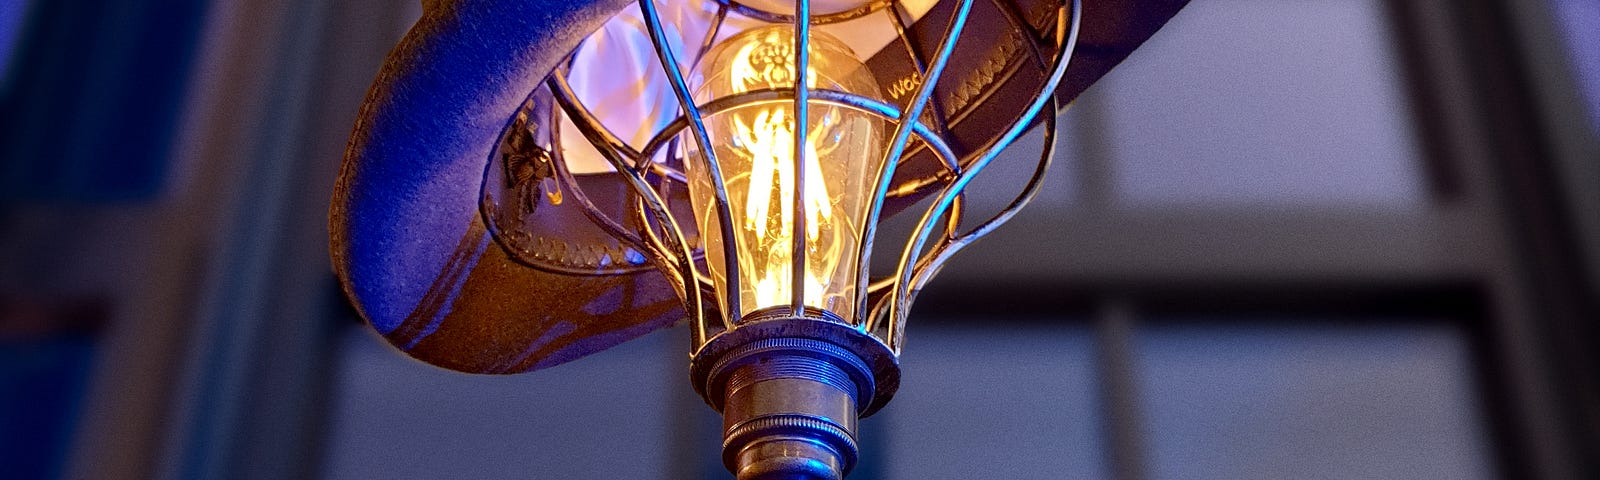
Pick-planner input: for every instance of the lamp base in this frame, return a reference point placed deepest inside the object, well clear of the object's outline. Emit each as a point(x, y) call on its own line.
point(778, 427)
point(791, 392)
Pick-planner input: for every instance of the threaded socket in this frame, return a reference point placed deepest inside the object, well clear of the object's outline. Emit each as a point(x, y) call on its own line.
point(791, 392)
point(788, 416)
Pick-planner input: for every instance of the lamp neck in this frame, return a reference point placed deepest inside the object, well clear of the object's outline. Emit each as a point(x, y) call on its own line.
point(788, 416)
point(791, 397)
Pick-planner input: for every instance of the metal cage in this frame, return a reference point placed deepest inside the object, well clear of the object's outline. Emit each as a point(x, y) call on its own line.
point(654, 228)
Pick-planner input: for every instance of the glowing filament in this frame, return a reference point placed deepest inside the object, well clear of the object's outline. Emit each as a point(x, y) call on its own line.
point(755, 148)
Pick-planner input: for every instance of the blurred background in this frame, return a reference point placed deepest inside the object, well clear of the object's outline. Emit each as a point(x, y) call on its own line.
point(1285, 239)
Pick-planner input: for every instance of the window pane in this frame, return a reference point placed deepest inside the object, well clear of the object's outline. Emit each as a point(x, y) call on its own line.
point(1580, 20)
point(1309, 402)
point(609, 415)
point(11, 20)
point(1263, 102)
point(1008, 402)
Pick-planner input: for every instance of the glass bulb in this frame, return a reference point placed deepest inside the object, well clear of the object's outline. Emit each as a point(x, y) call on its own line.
point(754, 145)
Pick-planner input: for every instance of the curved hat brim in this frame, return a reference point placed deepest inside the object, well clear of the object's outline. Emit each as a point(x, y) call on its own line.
point(410, 245)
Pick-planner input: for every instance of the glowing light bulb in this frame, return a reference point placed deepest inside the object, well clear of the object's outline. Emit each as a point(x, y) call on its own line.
point(754, 145)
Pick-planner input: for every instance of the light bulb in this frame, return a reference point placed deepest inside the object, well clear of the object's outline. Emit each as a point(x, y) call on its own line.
point(754, 146)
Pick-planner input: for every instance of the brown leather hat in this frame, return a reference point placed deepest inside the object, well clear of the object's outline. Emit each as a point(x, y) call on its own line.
point(451, 240)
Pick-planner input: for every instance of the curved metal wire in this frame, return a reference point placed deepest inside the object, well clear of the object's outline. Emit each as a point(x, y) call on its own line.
point(913, 270)
point(924, 133)
point(897, 14)
point(941, 150)
point(1036, 181)
point(560, 86)
point(926, 266)
point(802, 116)
point(711, 32)
point(775, 17)
point(669, 63)
point(1008, 9)
point(655, 239)
point(897, 147)
point(686, 271)
point(562, 91)
point(901, 295)
point(935, 143)
point(599, 217)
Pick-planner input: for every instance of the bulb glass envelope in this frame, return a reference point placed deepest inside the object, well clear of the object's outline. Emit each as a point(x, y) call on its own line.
point(476, 227)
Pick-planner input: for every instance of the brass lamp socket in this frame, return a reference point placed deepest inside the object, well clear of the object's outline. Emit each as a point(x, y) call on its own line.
point(791, 397)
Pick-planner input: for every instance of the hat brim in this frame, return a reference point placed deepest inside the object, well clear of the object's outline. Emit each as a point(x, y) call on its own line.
point(410, 244)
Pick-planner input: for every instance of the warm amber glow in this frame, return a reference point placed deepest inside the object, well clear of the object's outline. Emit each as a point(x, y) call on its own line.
point(755, 147)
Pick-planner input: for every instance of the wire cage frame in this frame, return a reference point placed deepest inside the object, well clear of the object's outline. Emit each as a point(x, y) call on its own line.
point(882, 304)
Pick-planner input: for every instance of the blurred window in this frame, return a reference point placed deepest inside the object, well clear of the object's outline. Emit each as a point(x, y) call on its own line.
point(1223, 400)
point(93, 93)
point(394, 417)
point(1264, 103)
point(12, 14)
point(993, 400)
point(1580, 20)
point(42, 382)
